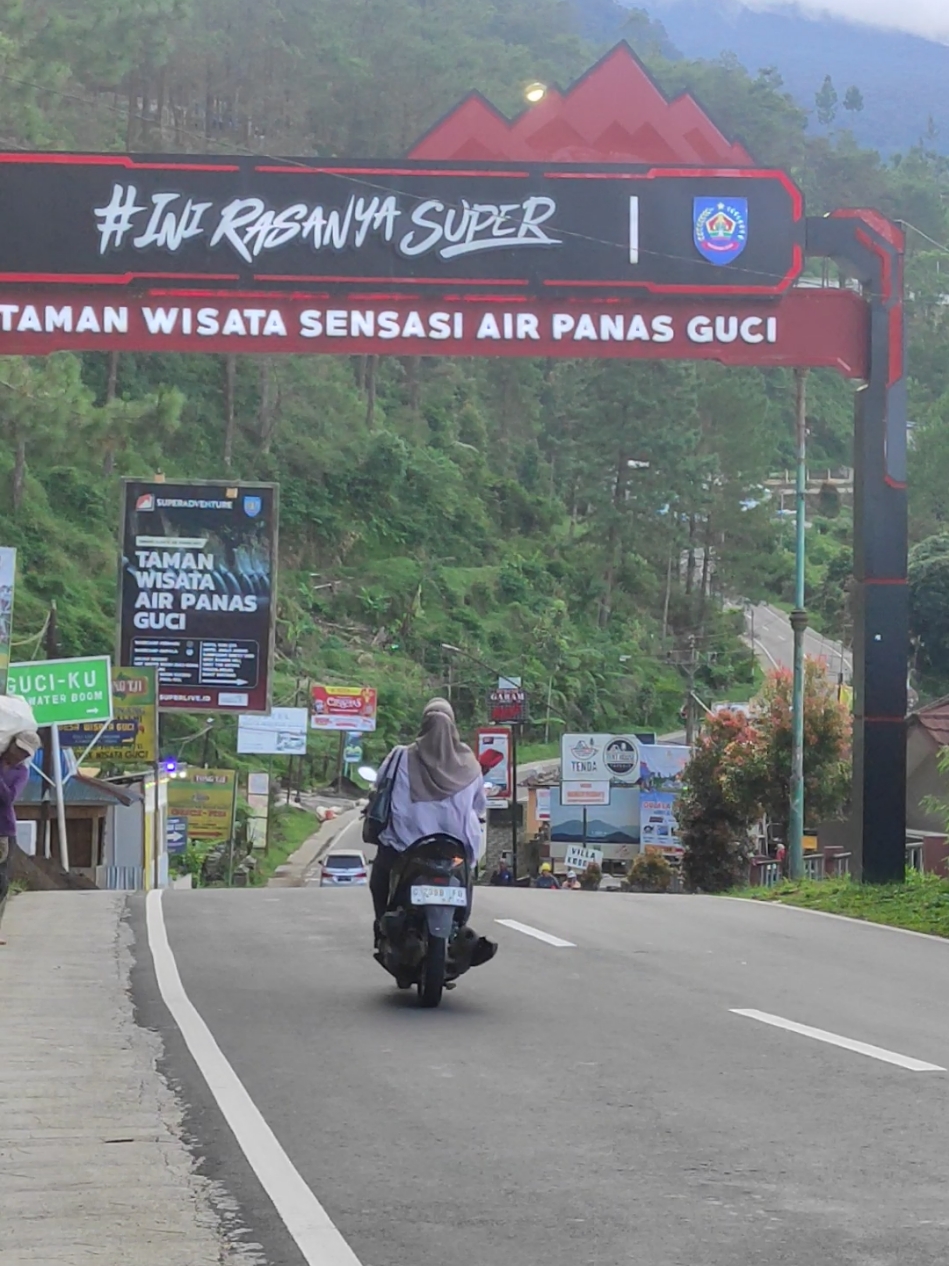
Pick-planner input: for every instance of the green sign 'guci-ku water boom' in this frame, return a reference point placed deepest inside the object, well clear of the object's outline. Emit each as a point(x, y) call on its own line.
point(65, 691)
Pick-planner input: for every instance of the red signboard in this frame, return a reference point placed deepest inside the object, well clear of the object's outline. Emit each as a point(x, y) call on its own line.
point(508, 705)
point(351, 709)
point(817, 328)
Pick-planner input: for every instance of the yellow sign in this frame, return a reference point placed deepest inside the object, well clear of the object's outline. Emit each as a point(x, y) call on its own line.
point(205, 798)
point(845, 694)
point(132, 737)
point(810, 843)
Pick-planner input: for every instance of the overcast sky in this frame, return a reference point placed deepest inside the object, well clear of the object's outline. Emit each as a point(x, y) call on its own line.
point(921, 17)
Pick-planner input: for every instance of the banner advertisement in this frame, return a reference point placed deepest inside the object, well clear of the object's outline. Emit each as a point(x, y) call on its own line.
point(189, 223)
point(196, 591)
point(280, 732)
point(7, 585)
point(600, 758)
point(352, 749)
point(659, 830)
point(204, 799)
point(343, 708)
point(258, 800)
point(65, 691)
point(613, 828)
point(543, 804)
point(494, 755)
point(661, 767)
point(132, 737)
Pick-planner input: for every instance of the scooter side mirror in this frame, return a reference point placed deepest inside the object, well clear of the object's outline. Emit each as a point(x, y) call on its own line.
point(368, 774)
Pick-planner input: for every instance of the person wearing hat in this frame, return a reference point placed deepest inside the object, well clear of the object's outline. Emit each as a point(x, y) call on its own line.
point(546, 878)
point(14, 772)
point(572, 881)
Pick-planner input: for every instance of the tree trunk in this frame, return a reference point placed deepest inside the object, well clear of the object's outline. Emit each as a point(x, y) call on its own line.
point(132, 120)
point(111, 381)
point(668, 595)
point(413, 381)
point(230, 382)
point(690, 568)
point(19, 472)
point(371, 392)
point(269, 403)
point(613, 541)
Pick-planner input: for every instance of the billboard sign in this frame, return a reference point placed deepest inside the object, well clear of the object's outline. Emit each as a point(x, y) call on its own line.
point(584, 794)
point(65, 691)
point(132, 737)
point(7, 584)
point(508, 704)
point(494, 743)
point(662, 766)
point(352, 749)
point(280, 732)
point(659, 831)
point(176, 834)
point(600, 758)
point(270, 225)
point(345, 709)
point(204, 799)
point(196, 591)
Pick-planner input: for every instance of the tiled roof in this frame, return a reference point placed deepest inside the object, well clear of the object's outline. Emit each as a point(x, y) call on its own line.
point(934, 718)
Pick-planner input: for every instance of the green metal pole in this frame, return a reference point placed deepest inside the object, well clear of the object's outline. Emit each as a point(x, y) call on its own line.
point(798, 625)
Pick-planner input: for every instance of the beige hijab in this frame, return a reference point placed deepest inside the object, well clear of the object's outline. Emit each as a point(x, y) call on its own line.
point(440, 764)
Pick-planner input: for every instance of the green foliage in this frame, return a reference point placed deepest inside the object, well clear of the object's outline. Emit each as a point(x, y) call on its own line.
point(591, 877)
point(929, 602)
point(490, 505)
point(826, 101)
point(650, 872)
point(920, 904)
point(740, 772)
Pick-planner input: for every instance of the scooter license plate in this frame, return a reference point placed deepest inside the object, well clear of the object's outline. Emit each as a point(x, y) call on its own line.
point(436, 895)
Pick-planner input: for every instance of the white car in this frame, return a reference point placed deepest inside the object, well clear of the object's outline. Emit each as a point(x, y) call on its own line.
point(344, 870)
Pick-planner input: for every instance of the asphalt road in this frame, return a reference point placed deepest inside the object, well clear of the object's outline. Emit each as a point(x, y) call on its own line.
point(774, 643)
point(592, 1103)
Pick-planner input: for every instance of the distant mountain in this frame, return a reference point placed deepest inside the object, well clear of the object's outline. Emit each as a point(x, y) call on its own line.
point(904, 80)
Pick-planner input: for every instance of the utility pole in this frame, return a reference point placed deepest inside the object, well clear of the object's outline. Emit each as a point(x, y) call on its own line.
point(514, 800)
point(798, 625)
point(52, 759)
point(691, 669)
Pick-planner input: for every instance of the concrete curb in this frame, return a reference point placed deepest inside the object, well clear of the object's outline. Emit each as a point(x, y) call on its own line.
point(292, 874)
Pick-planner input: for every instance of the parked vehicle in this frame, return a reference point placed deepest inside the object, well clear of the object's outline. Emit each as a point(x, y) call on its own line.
point(344, 870)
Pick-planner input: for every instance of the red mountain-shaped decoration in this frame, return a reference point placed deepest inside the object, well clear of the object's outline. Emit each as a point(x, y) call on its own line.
point(615, 113)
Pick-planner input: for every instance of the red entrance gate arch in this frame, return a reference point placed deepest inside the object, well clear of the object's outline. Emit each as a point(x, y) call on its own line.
point(559, 233)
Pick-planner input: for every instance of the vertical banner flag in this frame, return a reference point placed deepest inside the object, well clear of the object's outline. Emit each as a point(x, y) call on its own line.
point(196, 591)
point(494, 757)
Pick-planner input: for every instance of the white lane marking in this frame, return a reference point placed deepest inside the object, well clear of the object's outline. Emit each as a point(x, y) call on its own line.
point(302, 1214)
point(537, 934)
point(848, 1044)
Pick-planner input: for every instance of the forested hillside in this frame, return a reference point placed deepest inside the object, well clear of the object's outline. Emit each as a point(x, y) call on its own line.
point(491, 505)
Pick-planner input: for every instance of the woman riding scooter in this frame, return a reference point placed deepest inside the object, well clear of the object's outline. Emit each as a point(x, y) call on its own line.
point(437, 789)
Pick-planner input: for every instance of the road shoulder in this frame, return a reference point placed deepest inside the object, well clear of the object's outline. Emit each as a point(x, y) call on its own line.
point(91, 1136)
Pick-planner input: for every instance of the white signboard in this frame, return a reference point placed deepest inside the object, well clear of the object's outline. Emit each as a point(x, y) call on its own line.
point(579, 858)
point(612, 758)
point(543, 804)
point(282, 732)
point(584, 793)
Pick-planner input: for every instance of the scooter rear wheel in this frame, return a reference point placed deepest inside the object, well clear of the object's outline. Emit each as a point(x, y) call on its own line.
point(432, 980)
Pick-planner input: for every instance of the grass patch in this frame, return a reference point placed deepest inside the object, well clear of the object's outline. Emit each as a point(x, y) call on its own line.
point(527, 752)
point(920, 904)
point(289, 828)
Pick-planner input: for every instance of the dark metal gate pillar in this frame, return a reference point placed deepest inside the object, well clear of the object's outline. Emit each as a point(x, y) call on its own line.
point(870, 249)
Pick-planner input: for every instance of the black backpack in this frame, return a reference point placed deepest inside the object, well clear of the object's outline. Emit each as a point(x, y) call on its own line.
point(378, 812)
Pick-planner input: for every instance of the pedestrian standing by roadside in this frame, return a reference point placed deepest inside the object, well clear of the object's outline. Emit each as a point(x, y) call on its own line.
point(503, 877)
point(546, 878)
point(14, 772)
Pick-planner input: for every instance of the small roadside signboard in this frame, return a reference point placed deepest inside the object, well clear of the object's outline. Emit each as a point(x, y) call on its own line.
point(65, 691)
point(579, 858)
